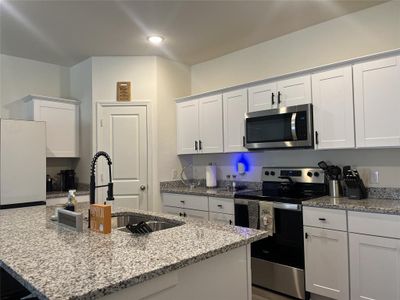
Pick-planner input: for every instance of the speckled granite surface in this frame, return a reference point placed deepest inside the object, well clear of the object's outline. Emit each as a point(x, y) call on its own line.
point(384, 193)
point(372, 205)
point(177, 187)
point(56, 263)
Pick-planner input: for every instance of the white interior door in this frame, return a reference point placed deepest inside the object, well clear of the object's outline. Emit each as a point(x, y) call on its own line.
point(123, 135)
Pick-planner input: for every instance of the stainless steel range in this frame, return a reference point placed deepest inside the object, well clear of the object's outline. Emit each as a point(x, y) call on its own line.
point(278, 260)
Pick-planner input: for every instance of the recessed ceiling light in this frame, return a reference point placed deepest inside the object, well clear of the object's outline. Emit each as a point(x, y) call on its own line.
point(155, 39)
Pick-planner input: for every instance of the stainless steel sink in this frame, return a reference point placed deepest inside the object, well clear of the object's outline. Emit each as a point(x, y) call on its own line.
point(121, 220)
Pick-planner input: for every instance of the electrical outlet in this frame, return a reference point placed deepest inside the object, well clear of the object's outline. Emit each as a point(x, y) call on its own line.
point(174, 174)
point(374, 177)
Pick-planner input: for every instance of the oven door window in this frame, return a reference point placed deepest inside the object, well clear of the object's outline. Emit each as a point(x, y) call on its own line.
point(286, 245)
point(285, 127)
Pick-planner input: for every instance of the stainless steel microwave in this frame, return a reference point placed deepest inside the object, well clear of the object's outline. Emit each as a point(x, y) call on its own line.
point(286, 127)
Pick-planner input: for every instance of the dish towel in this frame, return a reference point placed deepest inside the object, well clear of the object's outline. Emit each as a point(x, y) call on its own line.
point(267, 217)
point(254, 211)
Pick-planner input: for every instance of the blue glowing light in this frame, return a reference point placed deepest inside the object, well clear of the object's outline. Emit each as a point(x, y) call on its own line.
point(241, 158)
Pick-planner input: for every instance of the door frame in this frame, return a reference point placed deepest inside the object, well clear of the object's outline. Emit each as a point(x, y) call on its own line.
point(96, 137)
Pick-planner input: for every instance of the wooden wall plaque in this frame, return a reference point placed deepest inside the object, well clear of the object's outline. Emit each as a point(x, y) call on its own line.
point(124, 91)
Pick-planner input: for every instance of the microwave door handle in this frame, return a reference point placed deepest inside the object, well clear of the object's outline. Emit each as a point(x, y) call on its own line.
point(293, 126)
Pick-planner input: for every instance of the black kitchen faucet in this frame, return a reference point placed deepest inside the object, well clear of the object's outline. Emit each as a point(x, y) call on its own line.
point(110, 193)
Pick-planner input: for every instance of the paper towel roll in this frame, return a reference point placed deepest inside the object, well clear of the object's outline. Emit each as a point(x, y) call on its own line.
point(211, 176)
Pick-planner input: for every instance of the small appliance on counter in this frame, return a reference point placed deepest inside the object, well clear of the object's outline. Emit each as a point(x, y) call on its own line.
point(355, 188)
point(67, 180)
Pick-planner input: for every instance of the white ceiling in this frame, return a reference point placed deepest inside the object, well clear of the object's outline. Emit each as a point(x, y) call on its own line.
point(67, 32)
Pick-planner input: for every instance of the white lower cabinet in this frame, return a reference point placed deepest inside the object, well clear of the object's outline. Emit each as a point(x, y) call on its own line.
point(326, 262)
point(219, 210)
point(374, 267)
point(222, 218)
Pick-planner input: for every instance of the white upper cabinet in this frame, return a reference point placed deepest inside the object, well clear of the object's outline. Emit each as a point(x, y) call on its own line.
point(377, 102)
point(374, 267)
point(187, 114)
point(211, 133)
point(235, 108)
point(262, 97)
point(62, 124)
point(326, 262)
point(332, 93)
point(199, 125)
point(294, 91)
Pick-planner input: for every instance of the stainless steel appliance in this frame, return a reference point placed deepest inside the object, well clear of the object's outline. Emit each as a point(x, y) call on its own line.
point(278, 260)
point(286, 127)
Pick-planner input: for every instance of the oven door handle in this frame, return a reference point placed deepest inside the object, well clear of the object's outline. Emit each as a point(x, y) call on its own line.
point(293, 126)
point(287, 206)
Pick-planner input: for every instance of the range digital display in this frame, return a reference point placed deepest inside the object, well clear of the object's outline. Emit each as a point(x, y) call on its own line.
point(291, 173)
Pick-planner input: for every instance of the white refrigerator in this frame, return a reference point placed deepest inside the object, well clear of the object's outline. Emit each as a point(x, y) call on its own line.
point(23, 163)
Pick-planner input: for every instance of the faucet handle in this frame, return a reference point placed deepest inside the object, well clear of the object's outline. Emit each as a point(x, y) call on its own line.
point(110, 192)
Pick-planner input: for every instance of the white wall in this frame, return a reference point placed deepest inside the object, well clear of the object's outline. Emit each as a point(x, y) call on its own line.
point(81, 89)
point(21, 77)
point(368, 31)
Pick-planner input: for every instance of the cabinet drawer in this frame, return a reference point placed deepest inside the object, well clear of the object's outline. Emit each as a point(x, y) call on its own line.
point(325, 218)
point(221, 205)
point(186, 201)
point(374, 224)
point(226, 219)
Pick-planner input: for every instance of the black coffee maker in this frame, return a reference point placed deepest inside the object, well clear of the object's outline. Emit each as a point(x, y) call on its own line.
point(67, 180)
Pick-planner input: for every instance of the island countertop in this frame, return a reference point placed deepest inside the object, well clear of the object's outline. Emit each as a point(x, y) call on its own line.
point(54, 262)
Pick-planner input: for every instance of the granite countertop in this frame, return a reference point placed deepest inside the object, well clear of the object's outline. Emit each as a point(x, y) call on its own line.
point(176, 187)
point(371, 205)
point(199, 191)
point(54, 262)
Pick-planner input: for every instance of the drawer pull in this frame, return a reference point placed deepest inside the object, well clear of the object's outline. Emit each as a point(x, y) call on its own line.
point(322, 219)
point(183, 201)
point(220, 206)
point(230, 222)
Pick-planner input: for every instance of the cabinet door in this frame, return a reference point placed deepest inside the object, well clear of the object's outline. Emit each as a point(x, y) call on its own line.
point(376, 102)
point(62, 127)
point(225, 219)
point(374, 267)
point(211, 132)
point(294, 91)
point(196, 214)
point(235, 108)
point(187, 115)
point(326, 262)
point(263, 97)
point(332, 93)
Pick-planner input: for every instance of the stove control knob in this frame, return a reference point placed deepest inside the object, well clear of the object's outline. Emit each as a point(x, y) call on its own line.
point(309, 174)
point(266, 173)
point(272, 173)
point(316, 174)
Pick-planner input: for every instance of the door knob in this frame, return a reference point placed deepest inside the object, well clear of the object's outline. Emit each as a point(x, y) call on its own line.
point(142, 187)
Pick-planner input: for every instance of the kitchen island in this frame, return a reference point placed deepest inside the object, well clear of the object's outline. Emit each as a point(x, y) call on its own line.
point(197, 260)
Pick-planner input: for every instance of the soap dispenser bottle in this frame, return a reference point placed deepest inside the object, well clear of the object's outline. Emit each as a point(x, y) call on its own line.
point(70, 204)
